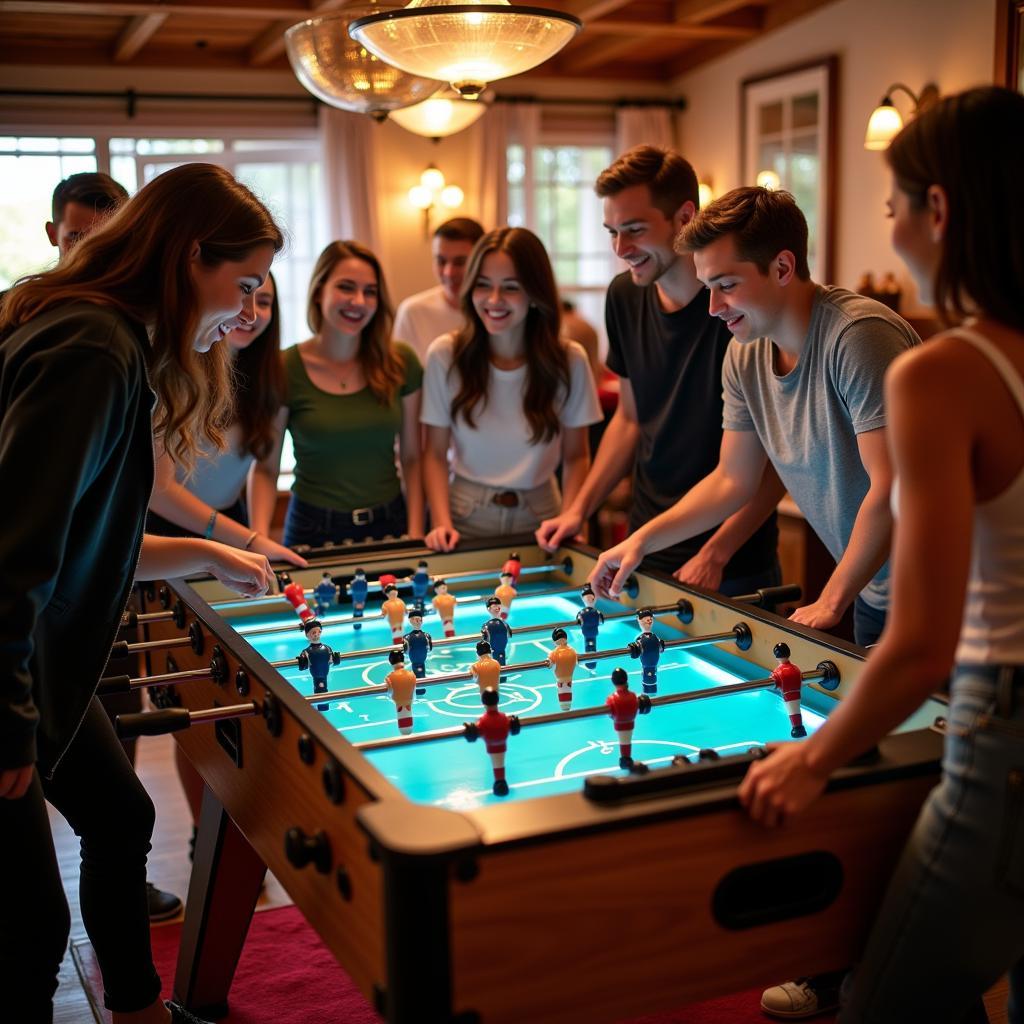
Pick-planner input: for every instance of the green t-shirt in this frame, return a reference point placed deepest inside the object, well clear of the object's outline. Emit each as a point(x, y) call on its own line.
point(345, 444)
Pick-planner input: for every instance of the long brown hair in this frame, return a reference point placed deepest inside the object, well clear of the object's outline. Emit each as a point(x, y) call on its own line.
point(547, 358)
point(378, 357)
point(259, 385)
point(972, 145)
point(138, 262)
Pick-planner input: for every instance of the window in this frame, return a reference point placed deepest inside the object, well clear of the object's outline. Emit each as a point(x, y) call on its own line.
point(551, 191)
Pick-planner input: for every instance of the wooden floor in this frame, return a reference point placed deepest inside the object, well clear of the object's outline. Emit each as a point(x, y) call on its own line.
point(169, 868)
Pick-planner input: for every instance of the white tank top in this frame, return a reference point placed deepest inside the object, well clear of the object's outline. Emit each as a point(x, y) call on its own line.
point(992, 632)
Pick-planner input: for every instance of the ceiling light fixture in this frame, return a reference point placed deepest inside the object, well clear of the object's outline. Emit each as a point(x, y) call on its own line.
point(340, 71)
point(466, 44)
point(442, 115)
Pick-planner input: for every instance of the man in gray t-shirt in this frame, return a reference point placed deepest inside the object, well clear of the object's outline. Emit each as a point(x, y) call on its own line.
point(802, 388)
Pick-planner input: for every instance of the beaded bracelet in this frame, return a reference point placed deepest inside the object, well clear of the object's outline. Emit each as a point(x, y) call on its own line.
point(209, 525)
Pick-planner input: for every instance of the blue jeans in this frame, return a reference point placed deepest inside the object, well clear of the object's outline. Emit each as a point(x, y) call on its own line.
point(868, 623)
point(952, 922)
point(315, 526)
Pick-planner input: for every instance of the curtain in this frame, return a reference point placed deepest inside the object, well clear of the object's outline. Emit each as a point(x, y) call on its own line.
point(504, 125)
point(635, 126)
point(349, 172)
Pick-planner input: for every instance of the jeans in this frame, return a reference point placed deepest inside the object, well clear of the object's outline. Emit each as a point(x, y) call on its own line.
point(868, 622)
point(952, 921)
point(97, 791)
point(475, 515)
point(316, 526)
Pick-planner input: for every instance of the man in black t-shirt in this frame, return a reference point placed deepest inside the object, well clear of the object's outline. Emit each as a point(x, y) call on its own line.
point(668, 352)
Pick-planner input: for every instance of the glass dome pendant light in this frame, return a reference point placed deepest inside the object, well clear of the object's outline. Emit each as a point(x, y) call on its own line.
point(466, 44)
point(340, 71)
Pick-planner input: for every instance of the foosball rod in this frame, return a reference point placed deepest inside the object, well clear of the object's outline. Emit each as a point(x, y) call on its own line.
point(826, 669)
point(470, 575)
point(165, 720)
point(344, 620)
point(739, 633)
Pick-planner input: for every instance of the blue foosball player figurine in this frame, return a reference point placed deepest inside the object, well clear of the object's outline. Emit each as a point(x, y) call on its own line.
point(647, 647)
point(325, 593)
point(420, 584)
point(417, 646)
point(496, 631)
point(358, 589)
point(318, 658)
point(590, 620)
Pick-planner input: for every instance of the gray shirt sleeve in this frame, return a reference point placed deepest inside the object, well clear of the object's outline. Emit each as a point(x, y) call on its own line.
point(735, 411)
point(869, 345)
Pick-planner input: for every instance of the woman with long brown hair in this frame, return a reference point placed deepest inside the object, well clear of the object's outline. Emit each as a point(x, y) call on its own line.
point(952, 922)
point(509, 395)
point(351, 390)
point(129, 318)
point(209, 501)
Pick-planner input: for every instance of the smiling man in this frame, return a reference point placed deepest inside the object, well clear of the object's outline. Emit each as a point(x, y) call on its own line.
point(79, 203)
point(803, 390)
point(428, 314)
point(667, 351)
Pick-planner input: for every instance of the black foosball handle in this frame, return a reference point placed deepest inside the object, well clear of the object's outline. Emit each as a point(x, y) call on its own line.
point(152, 723)
point(114, 684)
point(769, 597)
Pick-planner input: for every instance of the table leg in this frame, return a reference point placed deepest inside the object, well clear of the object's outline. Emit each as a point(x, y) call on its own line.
point(222, 893)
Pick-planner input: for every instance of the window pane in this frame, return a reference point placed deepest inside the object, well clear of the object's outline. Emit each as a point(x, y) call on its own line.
point(769, 117)
point(805, 111)
point(122, 169)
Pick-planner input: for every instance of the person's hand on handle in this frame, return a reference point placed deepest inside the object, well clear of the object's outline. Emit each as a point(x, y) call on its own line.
point(277, 552)
point(246, 572)
point(614, 567)
point(703, 570)
point(562, 527)
point(442, 538)
point(782, 785)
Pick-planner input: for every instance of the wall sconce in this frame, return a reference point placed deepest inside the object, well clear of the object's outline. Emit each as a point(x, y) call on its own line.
point(769, 180)
point(705, 194)
point(432, 191)
point(885, 122)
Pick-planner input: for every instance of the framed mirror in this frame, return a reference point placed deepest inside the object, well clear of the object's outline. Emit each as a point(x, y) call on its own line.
point(788, 140)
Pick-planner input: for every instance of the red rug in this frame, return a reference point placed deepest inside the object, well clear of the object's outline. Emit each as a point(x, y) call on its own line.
point(287, 976)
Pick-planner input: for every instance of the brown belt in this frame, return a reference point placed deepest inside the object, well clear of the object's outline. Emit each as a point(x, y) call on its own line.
point(507, 499)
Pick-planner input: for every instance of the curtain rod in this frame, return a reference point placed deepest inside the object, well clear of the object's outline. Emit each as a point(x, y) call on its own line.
point(131, 98)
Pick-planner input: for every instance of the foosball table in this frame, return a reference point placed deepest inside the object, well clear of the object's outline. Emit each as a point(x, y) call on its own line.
point(608, 872)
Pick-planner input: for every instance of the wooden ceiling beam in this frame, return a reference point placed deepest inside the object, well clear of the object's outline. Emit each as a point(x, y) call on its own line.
point(665, 30)
point(590, 10)
point(139, 30)
point(131, 8)
point(693, 12)
point(270, 44)
point(596, 53)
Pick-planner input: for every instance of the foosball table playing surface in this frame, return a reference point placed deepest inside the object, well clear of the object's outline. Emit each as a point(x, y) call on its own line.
point(573, 862)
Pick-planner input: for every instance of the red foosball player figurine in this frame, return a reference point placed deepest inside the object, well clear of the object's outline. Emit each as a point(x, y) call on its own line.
point(485, 670)
point(506, 594)
point(513, 567)
point(444, 605)
point(624, 705)
point(401, 682)
point(297, 599)
point(393, 609)
point(563, 663)
point(789, 679)
point(495, 727)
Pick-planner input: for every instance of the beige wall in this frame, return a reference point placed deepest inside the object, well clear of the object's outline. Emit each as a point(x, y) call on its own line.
point(949, 42)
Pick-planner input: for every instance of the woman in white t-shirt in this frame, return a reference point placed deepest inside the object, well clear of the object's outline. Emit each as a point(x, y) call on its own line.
point(510, 396)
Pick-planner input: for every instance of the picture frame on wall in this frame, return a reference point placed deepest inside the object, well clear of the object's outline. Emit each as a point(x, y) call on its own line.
point(788, 140)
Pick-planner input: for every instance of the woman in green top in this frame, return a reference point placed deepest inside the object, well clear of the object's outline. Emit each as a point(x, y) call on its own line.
point(350, 391)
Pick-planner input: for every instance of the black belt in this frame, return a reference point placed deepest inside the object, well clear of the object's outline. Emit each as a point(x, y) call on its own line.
point(507, 499)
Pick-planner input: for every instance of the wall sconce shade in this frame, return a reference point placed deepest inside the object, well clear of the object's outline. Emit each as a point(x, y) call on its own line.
point(886, 123)
point(444, 114)
point(769, 180)
point(466, 44)
point(342, 73)
point(705, 194)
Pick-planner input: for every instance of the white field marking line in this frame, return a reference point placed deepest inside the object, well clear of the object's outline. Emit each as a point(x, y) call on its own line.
point(560, 767)
point(461, 710)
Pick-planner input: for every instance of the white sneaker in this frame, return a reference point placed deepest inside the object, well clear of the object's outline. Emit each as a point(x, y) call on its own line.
point(793, 1000)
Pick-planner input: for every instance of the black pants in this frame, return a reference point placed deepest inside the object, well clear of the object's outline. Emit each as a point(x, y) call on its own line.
point(97, 791)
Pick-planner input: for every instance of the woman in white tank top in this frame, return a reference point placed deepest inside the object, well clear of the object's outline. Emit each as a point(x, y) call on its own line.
point(953, 920)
